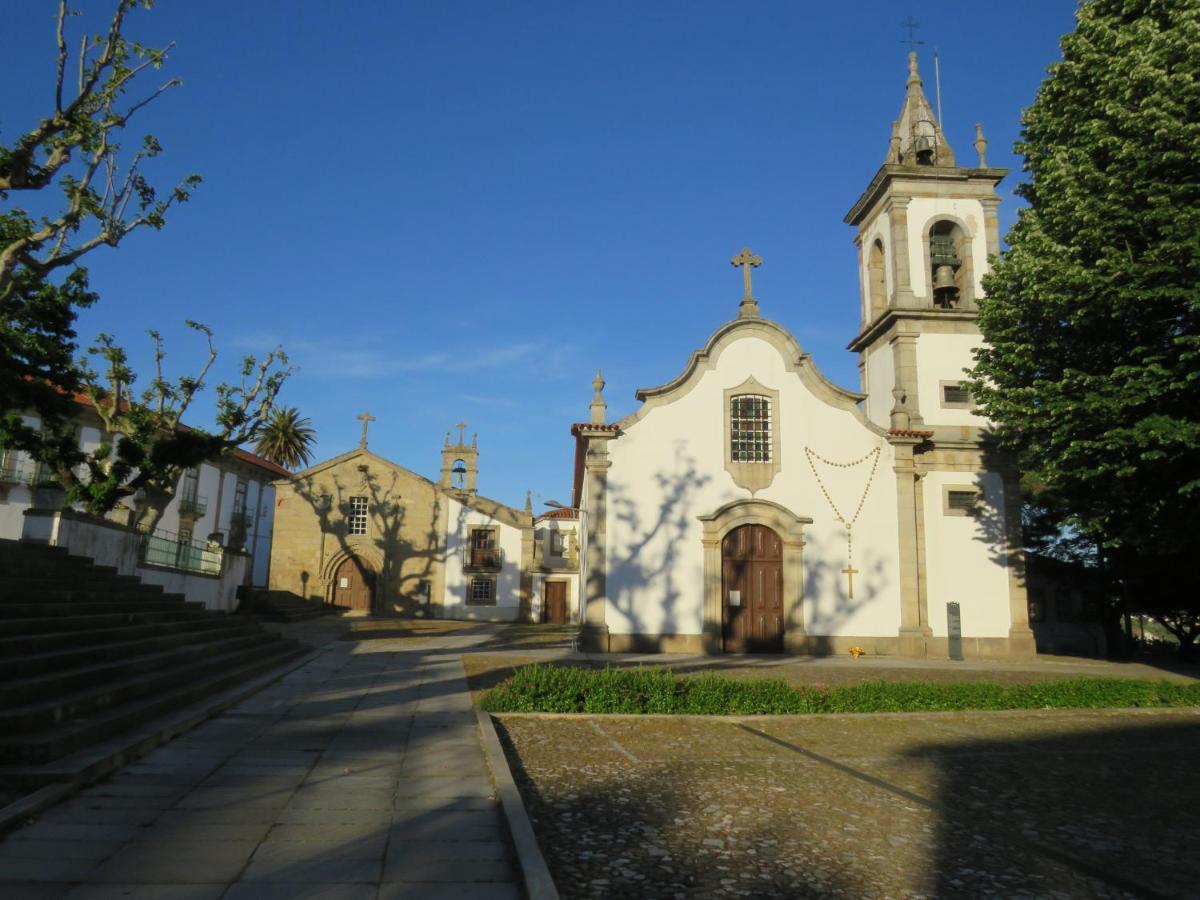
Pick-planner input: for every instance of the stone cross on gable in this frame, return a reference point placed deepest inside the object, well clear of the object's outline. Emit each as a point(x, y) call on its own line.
point(747, 260)
point(462, 427)
point(366, 419)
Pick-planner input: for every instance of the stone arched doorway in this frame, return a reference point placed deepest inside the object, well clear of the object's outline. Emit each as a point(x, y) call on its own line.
point(752, 590)
point(788, 530)
point(354, 583)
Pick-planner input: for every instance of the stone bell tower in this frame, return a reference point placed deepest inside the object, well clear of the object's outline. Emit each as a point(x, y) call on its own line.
point(460, 462)
point(926, 226)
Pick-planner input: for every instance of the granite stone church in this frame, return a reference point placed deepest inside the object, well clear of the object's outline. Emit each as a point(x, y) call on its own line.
point(748, 504)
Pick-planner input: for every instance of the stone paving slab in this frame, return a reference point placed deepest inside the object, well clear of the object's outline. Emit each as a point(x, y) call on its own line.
point(359, 775)
point(1056, 804)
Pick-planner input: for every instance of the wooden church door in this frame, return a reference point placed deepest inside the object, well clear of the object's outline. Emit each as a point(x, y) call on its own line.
point(354, 585)
point(556, 603)
point(752, 590)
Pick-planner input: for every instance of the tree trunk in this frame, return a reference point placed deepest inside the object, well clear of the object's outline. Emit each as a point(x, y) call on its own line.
point(150, 507)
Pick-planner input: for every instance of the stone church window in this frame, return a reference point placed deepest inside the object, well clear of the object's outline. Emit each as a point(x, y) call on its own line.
point(750, 428)
point(357, 520)
point(483, 592)
point(484, 552)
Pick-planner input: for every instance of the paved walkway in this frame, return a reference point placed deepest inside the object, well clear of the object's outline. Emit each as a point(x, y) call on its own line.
point(360, 775)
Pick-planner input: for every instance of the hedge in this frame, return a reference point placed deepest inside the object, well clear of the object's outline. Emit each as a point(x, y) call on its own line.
point(571, 689)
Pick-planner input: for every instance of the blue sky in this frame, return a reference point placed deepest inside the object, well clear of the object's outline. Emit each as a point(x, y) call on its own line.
point(448, 210)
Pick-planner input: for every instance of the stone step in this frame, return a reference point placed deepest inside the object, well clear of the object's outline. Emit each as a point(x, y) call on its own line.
point(83, 593)
point(45, 624)
point(74, 655)
point(87, 655)
point(46, 642)
point(71, 736)
point(165, 603)
point(97, 676)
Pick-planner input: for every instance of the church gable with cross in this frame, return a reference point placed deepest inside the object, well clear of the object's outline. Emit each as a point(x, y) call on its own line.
point(749, 504)
point(368, 535)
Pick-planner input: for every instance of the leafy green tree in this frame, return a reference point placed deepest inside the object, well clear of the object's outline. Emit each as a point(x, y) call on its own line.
point(75, 149)
point(286, 438)
point(1091, 371)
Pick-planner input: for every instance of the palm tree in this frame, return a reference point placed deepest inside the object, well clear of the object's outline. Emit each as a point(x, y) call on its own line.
point(287, 439)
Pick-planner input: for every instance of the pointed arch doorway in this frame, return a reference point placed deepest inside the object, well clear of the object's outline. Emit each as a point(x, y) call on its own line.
point(354, 585)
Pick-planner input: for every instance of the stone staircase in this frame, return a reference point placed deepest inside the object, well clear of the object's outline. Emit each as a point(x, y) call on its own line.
point(87, 655)
point(284, 606)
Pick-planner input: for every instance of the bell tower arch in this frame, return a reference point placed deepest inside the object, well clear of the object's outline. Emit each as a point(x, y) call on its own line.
point(460, 462)
point(926, 225)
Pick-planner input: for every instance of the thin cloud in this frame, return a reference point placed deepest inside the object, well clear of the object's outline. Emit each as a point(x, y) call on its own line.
point(346, 357)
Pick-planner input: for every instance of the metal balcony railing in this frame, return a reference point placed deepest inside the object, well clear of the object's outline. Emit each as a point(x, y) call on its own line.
point(193, 505)
point(162, 548)
point(16, 473)
point(484, 557)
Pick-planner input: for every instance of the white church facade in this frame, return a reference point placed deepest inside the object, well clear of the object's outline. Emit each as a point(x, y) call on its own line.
point(749, 504)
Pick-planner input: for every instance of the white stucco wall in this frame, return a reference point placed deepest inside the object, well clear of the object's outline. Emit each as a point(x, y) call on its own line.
point(962, 558)
point(459, 520)
point(943, 357)
point(922, 212)
point(668, 469)
point(881, 378)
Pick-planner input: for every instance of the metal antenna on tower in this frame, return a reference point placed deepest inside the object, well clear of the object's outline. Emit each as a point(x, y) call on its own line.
point(937, 80)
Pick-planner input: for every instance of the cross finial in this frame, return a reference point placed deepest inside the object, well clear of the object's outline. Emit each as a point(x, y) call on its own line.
point(747, 260)
point(462, 427)
point(911, 25)
point(366, 419)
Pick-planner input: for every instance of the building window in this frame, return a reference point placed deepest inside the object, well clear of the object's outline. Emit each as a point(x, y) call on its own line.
point(483, 592)
point(191, 484)
point(357, 520)
point(484, 554)
point(955, 395)
point(961, 501)
point(558, 543)
point(750, 428)
point(239, 498)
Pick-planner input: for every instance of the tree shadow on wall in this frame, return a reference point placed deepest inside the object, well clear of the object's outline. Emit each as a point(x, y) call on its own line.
point(825, 560)
point(655, 536)
point(407, 562)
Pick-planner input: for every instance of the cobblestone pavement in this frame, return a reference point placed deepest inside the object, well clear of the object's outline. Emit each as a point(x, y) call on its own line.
point(358, 775)
point(1043, 804)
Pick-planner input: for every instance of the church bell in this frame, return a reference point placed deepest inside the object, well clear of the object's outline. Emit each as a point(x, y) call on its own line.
point(945, 289)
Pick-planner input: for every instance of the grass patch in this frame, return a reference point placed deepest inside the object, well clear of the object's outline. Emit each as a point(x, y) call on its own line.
point(572, 689)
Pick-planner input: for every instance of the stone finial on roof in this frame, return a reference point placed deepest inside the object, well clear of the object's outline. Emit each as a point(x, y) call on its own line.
point(529, 502)
point(598, 407)
point(981, 145)
point(914, 76)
